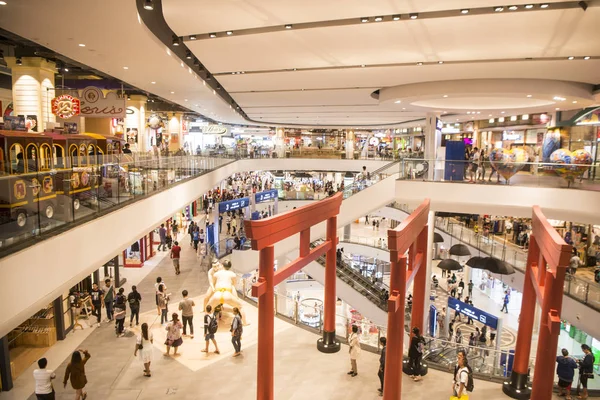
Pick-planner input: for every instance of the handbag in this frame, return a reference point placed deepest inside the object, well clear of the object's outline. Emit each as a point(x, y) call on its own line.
point(589, 375)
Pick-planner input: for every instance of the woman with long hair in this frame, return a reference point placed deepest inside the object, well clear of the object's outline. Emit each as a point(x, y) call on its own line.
point(354, 350)
point(173, 335)
point(76, 371)
point(143, 345)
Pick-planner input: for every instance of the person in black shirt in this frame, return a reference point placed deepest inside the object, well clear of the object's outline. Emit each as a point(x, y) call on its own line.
point(415, 353)
point(97, 295)
point(134, 299)
point(126, 149)
point(586, 369)
point(381, 372)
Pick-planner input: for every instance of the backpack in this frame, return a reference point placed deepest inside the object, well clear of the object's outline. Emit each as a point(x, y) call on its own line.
point(470, 385)
point(195, 235)
point(213, 325)
point(240, 329)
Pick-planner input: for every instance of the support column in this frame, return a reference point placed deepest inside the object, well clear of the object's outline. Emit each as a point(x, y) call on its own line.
point(420, 284)
point(517, 386)
point(328, 343)
point(350, 145)
point(266, 333)
point(33, 89)
point(59, 322)
point(280, 142)
point(5, 372)
point(175, 129)
point(97, 277)
point(433, 140)
point(392, 382)
point(137, 120)
point(347, 231)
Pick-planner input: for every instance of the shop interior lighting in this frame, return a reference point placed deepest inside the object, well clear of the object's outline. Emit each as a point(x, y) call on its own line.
point(445, 96)
point(378, 19)
point(192, 37)
point(229, 33)
point(19, 61)
point(212, 35)
point(491, 120)
point(501, 119)
point(396, 18)
point(525, 117)
point(586, 57)
point(363, 20)
point(414, 16)
point(148, 5)
point(499, 9)
point(188, 54)
point(2, 3)
point(172, 92)
point(557, 108)
point(513, 118)
point(175, 41)
point(501, 112)
point(288, 26)
point(513, 8)
point(464, 11)
point(362, 65)
point(571, 58)
point(128, 97)
point(544, 5)
point(529, 6)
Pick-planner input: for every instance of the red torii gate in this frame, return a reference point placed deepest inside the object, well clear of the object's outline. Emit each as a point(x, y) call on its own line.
point(547, 260)
point(411, 234)
point(264, 234)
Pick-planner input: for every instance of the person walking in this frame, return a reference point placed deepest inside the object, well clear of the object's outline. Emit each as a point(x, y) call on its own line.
point(470, 287)
point(459, 337)
point(415, 353)
point(163, 305)
point(143, 346)
point(354, 350)
point(162, 233)
point(157, 285)
point(237, 329)
point(191, 232)
point(210, 328)
point(120, 312)
point(173, 335)
point(477, 336)
point(505, 302)
point(228, 222)
point(565, 369)
point(381, 372)
point(196, 237)
point(186, 306)
point(43, 381)
point(97, 296)
point(474, 165)
point(134, 298)
point(586, 369)
point(461, 375)
point(175, 254)
point(76, 373)
point(109, 298)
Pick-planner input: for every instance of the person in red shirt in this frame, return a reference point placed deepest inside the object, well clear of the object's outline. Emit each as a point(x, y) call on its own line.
point(175, 252)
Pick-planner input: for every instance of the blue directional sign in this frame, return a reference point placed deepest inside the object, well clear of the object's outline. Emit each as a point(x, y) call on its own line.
point(231, 205)
point(266, 195)
point(475, 313)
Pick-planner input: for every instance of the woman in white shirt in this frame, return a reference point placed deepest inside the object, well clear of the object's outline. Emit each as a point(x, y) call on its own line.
point(143, 346)
point(354, 351)
point(461, 376)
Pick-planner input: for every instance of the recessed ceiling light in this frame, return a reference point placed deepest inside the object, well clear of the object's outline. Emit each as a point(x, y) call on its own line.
point(440, 62)
point(125, 67)
point(192, 37)
point(543, 5)
point(66, 69)
point(212, 35)
point(502, 112)
point(148, 5)
point(363, 65)
point(445, 112)
point(468, 112)
point(478, 112)
point(499, 9)
point(154, 83)
point(586, 57)
point(419, 63)
point(404, 108)
point(445, 95)
point(363, 20)
point(414, 16)
point(175, 40)
point(525, 117)
point(513, 8)
point(574, 101)
point(571, 58)
point(229, 33)
point(172, 92)
point(557, 108)
point(185, 99)
point(529, 6)
point(188, 54)
point(398, 101)
point(464, 11)
point(378, 19)
point(81, 45)
point(558, 98)
point(396, 18)
point(288, 27)
point(529, 95)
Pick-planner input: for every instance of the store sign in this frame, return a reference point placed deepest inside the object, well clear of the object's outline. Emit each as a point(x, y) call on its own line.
point(66, 106)
point(512, 136)
point(475, 313)
point(214, 129)
point(233, 204)
point(266, 195)
point(95, 105)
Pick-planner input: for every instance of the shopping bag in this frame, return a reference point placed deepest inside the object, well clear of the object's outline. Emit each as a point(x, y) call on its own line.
point(463, 397)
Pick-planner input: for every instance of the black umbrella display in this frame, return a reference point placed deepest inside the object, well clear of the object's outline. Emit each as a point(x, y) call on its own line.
point(450, 265)
point(460, 250)
point(476, 262)
point(498, 266)
point(437, 238)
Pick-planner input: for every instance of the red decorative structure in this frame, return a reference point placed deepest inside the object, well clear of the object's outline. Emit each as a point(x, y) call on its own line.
point(263, 235)
point(411, 234)
point(544, 279)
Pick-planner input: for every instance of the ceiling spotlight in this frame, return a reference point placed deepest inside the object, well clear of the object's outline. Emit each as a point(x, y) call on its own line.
point(378, 19)
point(154, 83)
point(414, 16)
point(558, 98)
point(208, 77)
point(529, 95)
point(19, 61)
point(571, 58)
point(529, 6)
point(172, 92)
point(148, 5)
point(499, 9)
point(128, 97)
point(188, 54)
point(557, 108)
point(586, 57)
point(363, 20)
point(175, 40)
point(544, 5)
point(362, 65)
point(229, 33)
point(192, 37)
point(288, 27)
point(64, 69)
point(440, 62)
point(419, 63)
point(445, 96)
point(396, 18)
point(468, 112)
point(464, 11)
point(81, 45)
point(125, 67)
point(212, 35)
point(513, 8)
point(574, 101)
point(398, 101)
point(501, 112)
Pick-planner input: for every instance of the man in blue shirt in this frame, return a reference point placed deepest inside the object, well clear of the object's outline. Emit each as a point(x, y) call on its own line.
point(162, 232)
point(565, 369)
point(505, 305)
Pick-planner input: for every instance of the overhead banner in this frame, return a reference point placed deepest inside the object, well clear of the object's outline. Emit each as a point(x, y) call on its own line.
point(266, 195)
point(475, 313)
point(233, 204)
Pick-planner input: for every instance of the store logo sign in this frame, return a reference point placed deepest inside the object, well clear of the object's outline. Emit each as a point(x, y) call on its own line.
point(66, 106)
point(214, 129)
point(95, 105)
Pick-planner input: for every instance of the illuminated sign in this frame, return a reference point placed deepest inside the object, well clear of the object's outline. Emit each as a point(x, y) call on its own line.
point(474, 313)
point(214, 129)
point(66, 106)
point(233, 204)
point(266, 195)
point(512, 136)
point(95, 105)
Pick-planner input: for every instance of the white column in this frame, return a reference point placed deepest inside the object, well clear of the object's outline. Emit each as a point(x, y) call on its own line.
point(433, 140)
point(429, 257)
point(350, 145)
point(137, 120)
point(280, 142)
point(33, 88)
point(175, 130)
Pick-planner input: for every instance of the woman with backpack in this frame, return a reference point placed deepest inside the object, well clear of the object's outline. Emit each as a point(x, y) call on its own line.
point(463, 377)
point(415, 353)
point(236, 332)
point(143, 345)
point(173, 335)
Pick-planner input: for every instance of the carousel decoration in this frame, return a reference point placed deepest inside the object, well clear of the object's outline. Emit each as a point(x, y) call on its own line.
point(570, 164)
point(508, 162)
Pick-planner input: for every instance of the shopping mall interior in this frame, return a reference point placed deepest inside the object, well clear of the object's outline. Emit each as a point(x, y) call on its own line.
point(393, 199)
